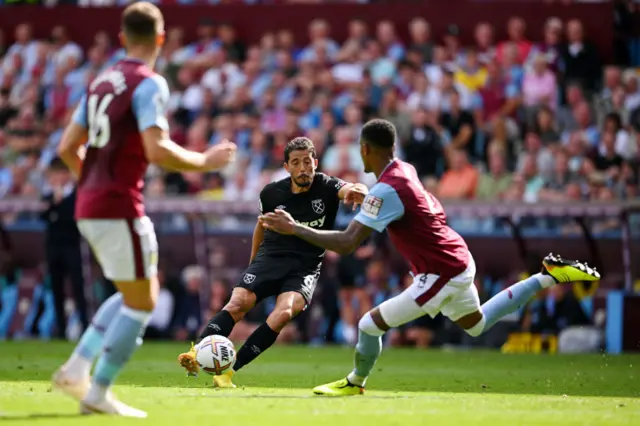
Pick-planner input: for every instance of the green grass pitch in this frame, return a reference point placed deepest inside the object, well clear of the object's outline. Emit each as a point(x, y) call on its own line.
point(408, 387)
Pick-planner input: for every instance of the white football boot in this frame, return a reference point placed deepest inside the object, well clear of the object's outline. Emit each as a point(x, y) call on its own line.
point(109, 405)
point(69, 384)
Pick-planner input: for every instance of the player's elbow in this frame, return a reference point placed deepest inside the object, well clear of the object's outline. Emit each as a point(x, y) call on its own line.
point(156, 156)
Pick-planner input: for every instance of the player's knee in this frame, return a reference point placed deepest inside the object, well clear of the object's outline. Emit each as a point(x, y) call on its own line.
point(239, 305)
point(368, 326)
point(280, 317)
point(477, 329)
point(140, 295)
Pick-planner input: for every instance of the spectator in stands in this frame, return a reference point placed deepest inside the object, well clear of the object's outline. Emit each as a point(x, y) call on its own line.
point(555, 187)
point(189, 310)
point(420, 33)
point(574, 96)
point(471, 74)
point(498, 98)
point(580, 58)
point(424, 146)
point(516, 29)
point(545, 126)
point(539, 88)
point(390, 44)
point(553, 311)
point(62, 243)
point(532, 180)
point(485, 47)
point(461, 180)
point(625, 145)
point(607, 159)
point(584, 124)
point(460, 125)
point(604, 99)
point(549, 48)
point(494, 184)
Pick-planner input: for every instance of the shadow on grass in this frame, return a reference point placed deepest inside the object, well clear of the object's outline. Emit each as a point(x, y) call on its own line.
point(301, 368)
point(37, 416)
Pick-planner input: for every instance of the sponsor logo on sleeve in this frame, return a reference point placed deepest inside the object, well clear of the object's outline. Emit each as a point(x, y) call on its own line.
point(371, 206)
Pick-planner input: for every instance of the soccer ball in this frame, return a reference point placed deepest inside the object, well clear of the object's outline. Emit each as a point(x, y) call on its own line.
point(216, 354)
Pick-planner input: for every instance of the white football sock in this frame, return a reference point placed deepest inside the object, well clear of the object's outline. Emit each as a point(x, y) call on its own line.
point(354, 379)
point(77, 367)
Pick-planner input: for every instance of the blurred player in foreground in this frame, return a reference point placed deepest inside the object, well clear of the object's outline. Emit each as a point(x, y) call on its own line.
point(282, 266)
point(122, 121)
point(442, 267)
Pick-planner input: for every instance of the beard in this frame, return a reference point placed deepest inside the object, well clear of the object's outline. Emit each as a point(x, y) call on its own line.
point(303, 182)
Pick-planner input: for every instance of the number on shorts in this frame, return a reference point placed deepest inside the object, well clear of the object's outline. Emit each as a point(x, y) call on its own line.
point(99, 125)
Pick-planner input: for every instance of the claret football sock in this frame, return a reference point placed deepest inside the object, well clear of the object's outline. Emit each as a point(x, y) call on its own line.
point(510, 299)
point(367, 352)
point(221, 324)
point(120, 341)
point(90, 344)
point(259, 341)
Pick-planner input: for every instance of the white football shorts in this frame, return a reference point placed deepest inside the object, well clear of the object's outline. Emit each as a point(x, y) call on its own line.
point(126, 249)
point(431, 294)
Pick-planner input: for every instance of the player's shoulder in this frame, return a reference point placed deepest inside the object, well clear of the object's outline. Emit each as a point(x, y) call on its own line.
point(327, 181)
point(401, 176)
point(276, 186)
point(152, 83)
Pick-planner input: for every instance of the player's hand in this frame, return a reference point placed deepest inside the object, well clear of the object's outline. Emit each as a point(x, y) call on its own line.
point(356, 195)
point(280, 221)
point(220, 155)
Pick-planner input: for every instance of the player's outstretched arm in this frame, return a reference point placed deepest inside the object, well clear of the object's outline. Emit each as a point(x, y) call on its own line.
point(342, 242)
point(162, 151)
point(149, 104)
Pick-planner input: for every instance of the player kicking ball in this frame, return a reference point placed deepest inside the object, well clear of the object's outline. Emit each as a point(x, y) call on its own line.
point(122, 121)
point(281, 265)
point(441, 264)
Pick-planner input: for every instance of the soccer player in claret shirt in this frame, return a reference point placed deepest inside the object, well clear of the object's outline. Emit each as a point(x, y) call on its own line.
point(442, 267)
point(281, 265)
point(122, 122)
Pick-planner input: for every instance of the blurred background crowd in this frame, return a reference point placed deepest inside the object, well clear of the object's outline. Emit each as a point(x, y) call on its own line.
point(538, 116)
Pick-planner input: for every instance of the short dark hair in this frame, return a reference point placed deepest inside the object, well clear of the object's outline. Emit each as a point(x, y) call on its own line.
point(299, 144)
point(142, 22)
point(379, 133)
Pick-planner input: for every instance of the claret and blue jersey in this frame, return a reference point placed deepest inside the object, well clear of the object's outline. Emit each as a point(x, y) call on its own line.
point(415, 221)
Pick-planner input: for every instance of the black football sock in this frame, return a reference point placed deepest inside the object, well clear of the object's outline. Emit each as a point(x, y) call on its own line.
point(221, 324)
point(259, 341)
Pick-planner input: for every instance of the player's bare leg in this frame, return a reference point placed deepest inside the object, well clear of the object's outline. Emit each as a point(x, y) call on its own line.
point(555, 270)
point(242, 301)
point(394, 312)
point(120, 341)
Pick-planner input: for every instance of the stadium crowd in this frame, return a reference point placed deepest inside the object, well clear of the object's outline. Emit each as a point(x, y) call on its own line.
point(535, 117)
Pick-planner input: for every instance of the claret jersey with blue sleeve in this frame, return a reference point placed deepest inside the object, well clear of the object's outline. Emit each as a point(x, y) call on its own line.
point(119, 105)
point(415, 221)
